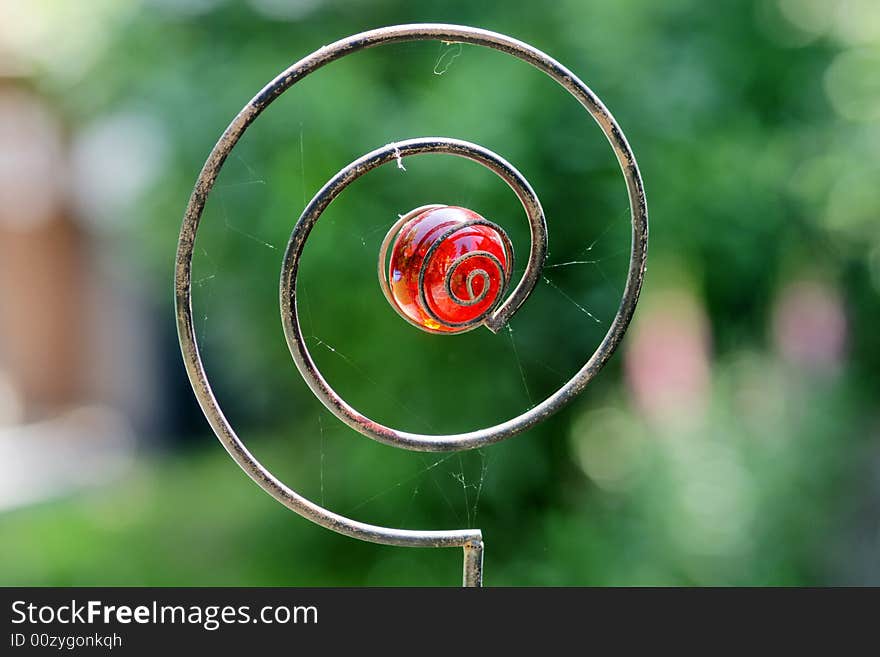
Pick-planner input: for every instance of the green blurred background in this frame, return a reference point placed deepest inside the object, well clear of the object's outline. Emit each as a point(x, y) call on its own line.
point(733, 440)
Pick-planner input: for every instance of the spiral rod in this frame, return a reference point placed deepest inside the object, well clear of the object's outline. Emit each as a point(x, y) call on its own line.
point(468, 539)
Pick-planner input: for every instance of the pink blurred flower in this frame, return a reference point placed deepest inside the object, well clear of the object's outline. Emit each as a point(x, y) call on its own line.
point(809, 325)
point(667, 359)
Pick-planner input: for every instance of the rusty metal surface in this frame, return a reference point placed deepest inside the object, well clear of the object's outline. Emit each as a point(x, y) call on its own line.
point(468, 539)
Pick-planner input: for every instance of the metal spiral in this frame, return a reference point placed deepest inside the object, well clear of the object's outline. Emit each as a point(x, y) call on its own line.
point(475, 298)
point(495, 317)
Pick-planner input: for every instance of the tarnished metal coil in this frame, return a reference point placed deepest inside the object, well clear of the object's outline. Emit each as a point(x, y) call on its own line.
point(499, 312)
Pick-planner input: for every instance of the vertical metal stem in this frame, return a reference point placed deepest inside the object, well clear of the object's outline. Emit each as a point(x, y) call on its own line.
point(473, 565)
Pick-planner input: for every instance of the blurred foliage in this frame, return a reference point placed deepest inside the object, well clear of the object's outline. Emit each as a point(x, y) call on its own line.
point(756, 126)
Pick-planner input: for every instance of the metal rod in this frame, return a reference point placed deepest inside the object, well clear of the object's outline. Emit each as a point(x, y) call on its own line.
point(468, 539)
point(473, 565)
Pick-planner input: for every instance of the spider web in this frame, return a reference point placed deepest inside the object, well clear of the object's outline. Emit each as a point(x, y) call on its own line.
point(418, 483)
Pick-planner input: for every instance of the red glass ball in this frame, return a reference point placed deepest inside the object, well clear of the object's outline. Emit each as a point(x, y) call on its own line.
point(448, 268)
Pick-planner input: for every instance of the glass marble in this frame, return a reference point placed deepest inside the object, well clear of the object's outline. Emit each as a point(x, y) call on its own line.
point(448, 269)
